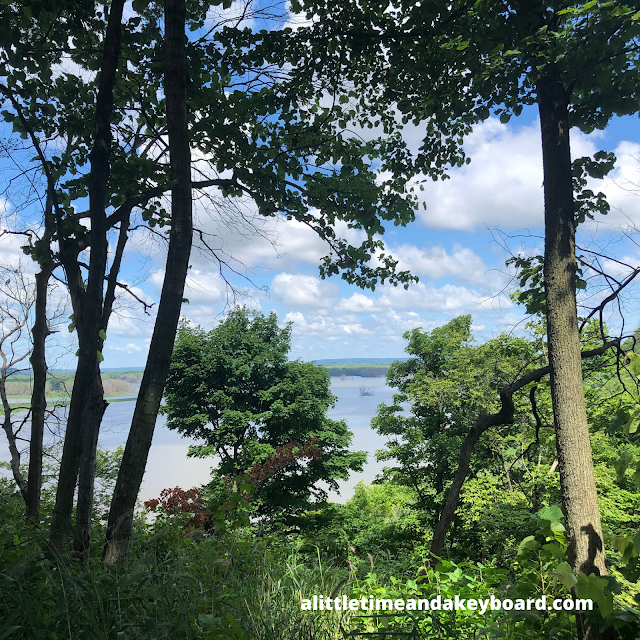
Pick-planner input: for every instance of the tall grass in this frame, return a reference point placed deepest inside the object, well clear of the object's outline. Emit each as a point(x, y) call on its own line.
point(172, 588)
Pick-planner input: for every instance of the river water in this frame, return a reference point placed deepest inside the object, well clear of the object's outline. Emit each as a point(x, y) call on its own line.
point(168, 465)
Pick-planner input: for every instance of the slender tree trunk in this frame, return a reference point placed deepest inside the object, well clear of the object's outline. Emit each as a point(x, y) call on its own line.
point(38, 362)
point(94, 412)
point(484, 422)
point(92, 418)
point(577, 483)
point(157, 368)
point(88, 310)
point(7, 426)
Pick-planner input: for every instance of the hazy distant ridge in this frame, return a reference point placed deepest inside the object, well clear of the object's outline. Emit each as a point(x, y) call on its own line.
point(345, 362)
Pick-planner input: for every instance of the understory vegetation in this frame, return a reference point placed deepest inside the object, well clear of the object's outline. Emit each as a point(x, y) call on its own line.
point(237, 559)
point(137, 136)
point(218, 581)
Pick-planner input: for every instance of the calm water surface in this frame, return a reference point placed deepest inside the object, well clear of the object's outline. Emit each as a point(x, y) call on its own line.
point(169, 466)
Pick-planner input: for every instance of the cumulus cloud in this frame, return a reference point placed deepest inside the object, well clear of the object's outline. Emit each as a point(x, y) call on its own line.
point(128, 349)
point(503, 184)
point(435, 262)
point(303, 290)
point(448, 298)
point(205, 287)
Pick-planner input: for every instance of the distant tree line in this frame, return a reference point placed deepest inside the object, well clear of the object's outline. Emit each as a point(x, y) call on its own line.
point(373, 371)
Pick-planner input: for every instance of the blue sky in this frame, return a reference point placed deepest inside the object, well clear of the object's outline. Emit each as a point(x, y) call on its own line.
point(456, 247)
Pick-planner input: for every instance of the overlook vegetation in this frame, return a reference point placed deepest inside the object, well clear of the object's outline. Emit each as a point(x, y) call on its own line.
point(512, 465)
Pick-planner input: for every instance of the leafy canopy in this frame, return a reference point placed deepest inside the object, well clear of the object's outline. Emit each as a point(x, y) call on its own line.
point(253, 136)
point(448, 383)
point(233, 389)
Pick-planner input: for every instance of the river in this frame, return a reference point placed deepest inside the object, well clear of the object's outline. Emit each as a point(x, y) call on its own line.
point(168, 465)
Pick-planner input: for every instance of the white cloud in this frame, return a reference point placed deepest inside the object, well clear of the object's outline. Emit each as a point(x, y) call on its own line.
point(128, 349)
point(622, 188)
point(205, 287)
point(303, 291)
point(446, 299)
point(503, 184)
point(435, 262)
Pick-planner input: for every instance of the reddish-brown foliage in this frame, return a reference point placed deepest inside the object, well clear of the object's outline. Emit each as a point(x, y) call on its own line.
point(177, 501)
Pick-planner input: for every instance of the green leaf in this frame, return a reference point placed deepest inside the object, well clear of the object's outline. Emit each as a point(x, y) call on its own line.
point(621, 464)
point(595, 588)
point(102, 334)
point(100, 357)
point(632, 424)
point(565, 575)
point(636, 475)
point(528, 544)
point(553, 513)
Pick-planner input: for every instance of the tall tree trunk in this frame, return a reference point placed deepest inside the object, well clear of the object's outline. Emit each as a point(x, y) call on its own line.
point(88, 309)
point(157, 367)
point(577, 483)
point(92, 418)
point(38, 361)
point(94, 412)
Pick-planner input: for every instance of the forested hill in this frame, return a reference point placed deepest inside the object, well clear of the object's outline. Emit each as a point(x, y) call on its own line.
point(365, 367)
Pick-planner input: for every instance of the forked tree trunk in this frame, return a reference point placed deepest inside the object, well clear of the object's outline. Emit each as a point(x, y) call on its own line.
point(157, 368)
point(94, 412)
point(504, 416)
point(88, 305)
point(577, 483)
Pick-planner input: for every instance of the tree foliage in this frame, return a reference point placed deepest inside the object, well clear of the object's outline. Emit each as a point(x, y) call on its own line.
point(448, 383)
point(234, 390)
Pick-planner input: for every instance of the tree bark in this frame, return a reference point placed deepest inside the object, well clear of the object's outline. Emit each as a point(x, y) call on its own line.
point(38, 362)
point(88, 305)
point(504, 416)
point(159, 358)
point(92, 418)
point(94, 412)
point(577, 482)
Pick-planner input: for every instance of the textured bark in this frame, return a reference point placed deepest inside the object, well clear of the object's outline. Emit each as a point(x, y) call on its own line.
point(577, 483)
point(482, 424)
point(88, 305)
point(38, 361)
point(92, 418)
point(157, 367)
